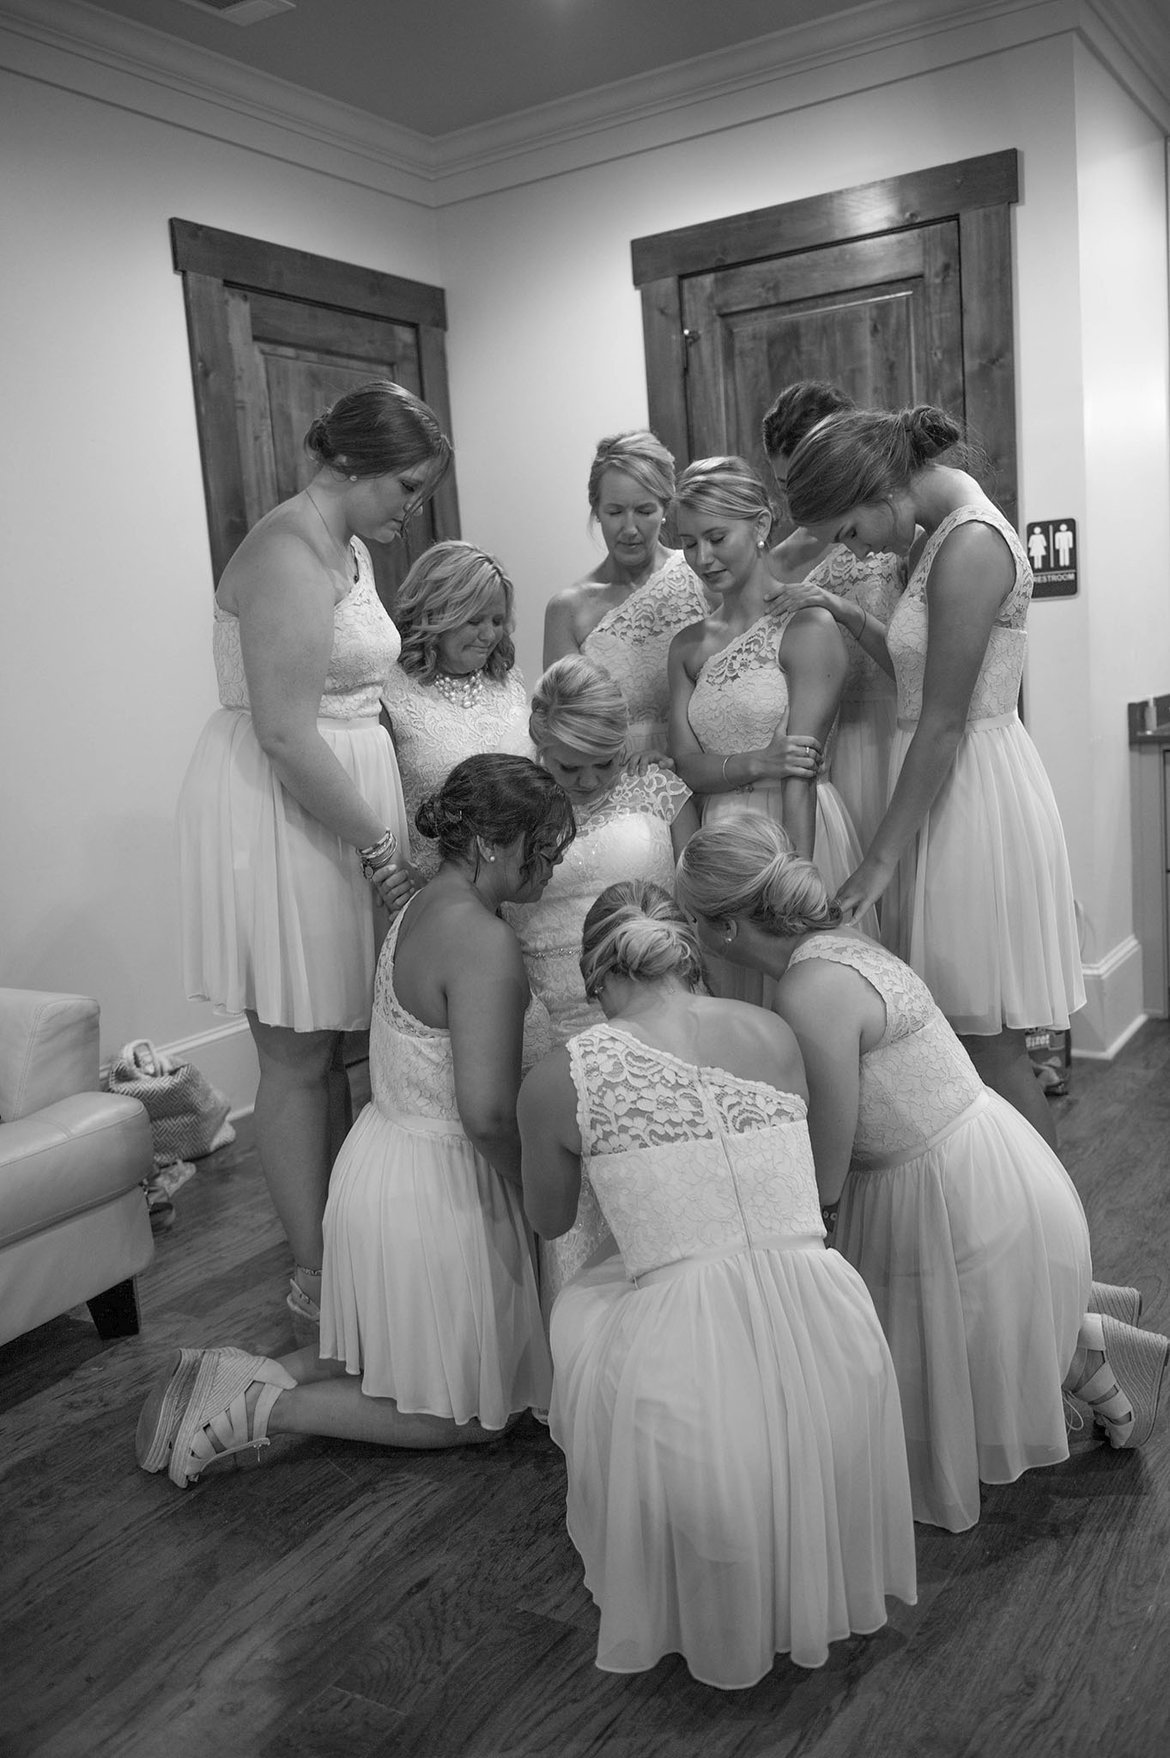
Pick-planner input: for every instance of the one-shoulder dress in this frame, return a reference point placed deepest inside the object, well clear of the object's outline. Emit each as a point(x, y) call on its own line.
point(427, 1285)
point(859, 755)
point(432, 734)
point(739, 701)
point(632, 641)
point(972, 1241)
point(625, 835)
point(277, 916)
point(724, 1396)
point(981, 904)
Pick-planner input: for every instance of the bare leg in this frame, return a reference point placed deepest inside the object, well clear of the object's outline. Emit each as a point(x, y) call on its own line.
point(1002, 1062)
point(292, 1134)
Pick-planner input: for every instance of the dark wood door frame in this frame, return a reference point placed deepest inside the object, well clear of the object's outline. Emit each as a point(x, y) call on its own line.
point(209, 260)
point(977, 193)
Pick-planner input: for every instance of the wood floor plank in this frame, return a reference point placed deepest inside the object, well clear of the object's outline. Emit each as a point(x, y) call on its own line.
point(342, 1599)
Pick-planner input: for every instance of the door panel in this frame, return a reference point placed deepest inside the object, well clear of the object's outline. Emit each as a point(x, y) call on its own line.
point(276, 336)
point(880, 317)
point(899, 290)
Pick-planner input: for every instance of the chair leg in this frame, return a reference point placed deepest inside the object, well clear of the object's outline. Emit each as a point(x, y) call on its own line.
point(115, 1312)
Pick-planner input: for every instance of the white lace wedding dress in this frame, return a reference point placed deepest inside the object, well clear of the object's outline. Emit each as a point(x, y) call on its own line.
point(982, 902)
point(723, 1392)
point(432, 733)
point(624, 835)
point(427, 1287)
point(972, 1241)
point(631, 643)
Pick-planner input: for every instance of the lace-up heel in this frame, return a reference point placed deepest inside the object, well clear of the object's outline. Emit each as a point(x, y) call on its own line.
point(196, 1414)
point(1123, 1392)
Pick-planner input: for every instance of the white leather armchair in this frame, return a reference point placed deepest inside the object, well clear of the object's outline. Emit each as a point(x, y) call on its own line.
point(73, 1218)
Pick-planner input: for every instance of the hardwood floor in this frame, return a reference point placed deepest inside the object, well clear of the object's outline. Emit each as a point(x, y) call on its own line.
point(344, 1601)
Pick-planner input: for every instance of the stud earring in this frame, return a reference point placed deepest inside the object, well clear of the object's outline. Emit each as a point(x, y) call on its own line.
point(353, 479)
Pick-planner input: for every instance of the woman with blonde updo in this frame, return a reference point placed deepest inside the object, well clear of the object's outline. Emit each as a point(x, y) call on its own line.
point(623, 614)
point(293, 841)
point(754, 694)
point(723, 1393)
point(969, 855)
point(456, 690)
point(632, 822)
point(968, 1231)
point(431, 1332)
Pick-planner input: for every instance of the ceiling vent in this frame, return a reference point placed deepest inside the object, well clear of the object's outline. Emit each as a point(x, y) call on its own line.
point(242, 11)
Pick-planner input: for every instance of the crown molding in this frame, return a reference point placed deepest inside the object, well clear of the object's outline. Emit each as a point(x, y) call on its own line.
point(116, 61)
point(69, 44)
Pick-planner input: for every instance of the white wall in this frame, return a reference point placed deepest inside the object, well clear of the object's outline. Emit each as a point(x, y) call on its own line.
point(105, 670)
point(546, 352)
point(105, 661)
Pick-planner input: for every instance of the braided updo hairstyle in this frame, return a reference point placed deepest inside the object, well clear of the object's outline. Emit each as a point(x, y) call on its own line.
point(796, 412)
point(499, 798)
point(638, 455)
point(862, 456)
point(744, 866)
point(635, 929)
point(378, 428)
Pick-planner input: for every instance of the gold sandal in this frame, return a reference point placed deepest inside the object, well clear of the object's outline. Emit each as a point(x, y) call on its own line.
point(1123, 1392)
point(196, 1414)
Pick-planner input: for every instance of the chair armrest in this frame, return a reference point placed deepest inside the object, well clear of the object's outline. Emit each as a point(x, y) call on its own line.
point(78, 1154)
point(48, 1049)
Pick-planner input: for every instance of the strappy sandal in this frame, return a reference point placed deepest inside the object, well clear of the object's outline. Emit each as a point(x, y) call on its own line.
point(1122, 1304)
point(1123, 1392)
point(306, 1313)
point(196, 1414)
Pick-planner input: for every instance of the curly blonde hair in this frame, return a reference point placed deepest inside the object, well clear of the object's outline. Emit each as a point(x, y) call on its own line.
point(449, 585)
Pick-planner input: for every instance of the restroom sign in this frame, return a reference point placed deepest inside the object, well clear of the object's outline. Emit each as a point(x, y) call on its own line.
point(1052, 550)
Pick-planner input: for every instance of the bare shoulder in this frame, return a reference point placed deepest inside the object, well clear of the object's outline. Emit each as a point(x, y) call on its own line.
point(816, 991)
point(761, 1045)
point(975, 550)
point(276, 555)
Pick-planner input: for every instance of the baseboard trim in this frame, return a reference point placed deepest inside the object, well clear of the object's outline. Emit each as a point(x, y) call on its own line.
point(1114, 1008)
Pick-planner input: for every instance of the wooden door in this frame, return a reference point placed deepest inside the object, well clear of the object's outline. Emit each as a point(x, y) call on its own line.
point(898, 291)
point(880, 317)
point(276, 335)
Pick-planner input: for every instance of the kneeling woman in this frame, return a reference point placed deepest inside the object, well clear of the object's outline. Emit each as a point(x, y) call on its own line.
point(968, 1230)
point(431, 1333)
point(723, 1394)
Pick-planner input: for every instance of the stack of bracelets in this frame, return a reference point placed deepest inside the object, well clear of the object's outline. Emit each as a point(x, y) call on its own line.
point(378, 855)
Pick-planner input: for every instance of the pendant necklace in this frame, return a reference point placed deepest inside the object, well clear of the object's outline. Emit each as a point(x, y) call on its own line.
point(347, 551)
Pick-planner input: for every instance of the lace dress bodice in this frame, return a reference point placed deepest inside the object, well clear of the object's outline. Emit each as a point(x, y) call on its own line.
point(626, 835)
point(740, 696)
point(365, 647)
point(631, 641)
point(411, 1070)
point(689, 1161)
point(918, 1079)
point(875, 585)
point(432, 734)
point(997, 687)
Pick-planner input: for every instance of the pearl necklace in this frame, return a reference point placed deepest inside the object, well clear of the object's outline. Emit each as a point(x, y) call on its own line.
point(462, 692)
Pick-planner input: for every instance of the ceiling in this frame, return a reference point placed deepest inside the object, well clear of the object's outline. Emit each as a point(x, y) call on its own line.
point(435, 66)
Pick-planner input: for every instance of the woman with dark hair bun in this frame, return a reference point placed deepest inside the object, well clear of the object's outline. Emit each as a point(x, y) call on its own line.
point(859, 754)
point(966, 1227)
point(623, 614)
point(722, 1392)
point(431, 1333)
point(970, 855)
point(293, 841)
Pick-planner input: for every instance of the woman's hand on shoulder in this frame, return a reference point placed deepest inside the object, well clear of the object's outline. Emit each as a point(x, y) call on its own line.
point(863, 887)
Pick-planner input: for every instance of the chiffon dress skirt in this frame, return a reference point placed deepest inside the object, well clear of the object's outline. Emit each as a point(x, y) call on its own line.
point(278, 918)
point(735, 1460)
point(982, 906)
point(428, 1288)
point(976, 1253)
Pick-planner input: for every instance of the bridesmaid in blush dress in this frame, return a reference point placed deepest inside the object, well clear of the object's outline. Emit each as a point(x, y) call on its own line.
point(722, 1392)
point(622, 615)
point(970, 854)
point(967, 1229)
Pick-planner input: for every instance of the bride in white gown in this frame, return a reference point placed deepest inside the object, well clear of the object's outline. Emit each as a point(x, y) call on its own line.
point(632, 822)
